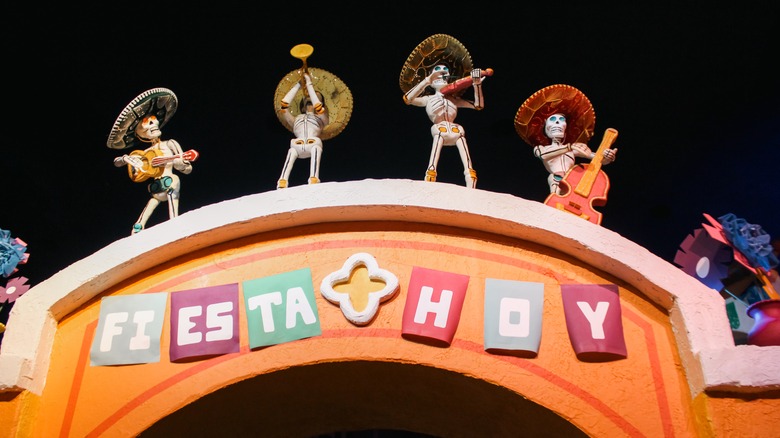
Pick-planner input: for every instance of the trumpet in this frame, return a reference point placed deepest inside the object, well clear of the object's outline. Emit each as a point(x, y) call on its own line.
point(302, 52)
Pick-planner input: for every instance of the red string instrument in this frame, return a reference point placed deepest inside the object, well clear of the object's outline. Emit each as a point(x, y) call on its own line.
point(585, 185)
point(463, 83)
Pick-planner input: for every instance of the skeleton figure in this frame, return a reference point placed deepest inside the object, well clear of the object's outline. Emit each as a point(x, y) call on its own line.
point(307, 127)
point(558, 157)
point(165, 187)
point(442, 110)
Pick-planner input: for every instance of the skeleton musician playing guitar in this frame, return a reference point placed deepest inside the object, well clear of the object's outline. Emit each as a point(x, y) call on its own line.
point(561, 112)
point(141, 120)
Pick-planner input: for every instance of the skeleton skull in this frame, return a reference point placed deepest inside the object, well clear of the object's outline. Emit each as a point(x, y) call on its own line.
point(555, 126)
point(148, 129)
point(442, 80)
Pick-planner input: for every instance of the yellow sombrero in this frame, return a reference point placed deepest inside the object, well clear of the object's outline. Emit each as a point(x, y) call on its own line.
point(436, 49)
point(336, 96)
point(559, 98)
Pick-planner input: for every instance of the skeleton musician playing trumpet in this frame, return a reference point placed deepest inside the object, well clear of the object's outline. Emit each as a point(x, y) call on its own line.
point(323, 110)
point(442, 57)
point(141, 120)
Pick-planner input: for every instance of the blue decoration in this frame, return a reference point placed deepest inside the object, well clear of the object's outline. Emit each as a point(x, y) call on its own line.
point(751, 240)
point(11, 253)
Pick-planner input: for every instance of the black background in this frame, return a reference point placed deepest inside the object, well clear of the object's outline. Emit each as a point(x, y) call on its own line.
point(691, 88)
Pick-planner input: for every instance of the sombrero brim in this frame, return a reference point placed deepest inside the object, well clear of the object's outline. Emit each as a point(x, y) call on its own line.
point(436, 49)
point(160, 102)
point(564, 99)
point(336, 95)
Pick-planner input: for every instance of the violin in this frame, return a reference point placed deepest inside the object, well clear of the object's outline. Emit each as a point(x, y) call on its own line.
point(585, 185)
point(463, 83)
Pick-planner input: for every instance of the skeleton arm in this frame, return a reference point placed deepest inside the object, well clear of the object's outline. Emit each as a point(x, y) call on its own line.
point(413, 96)
point(131, 160)
point(478, 103)
point(180, 164)
point(546, 152)
point(583, 151)
point(476, 77)
point(315, 100)
point(284, 105)
point(319, 107)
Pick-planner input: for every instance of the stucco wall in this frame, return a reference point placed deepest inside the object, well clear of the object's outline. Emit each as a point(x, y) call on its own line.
point(481, 233)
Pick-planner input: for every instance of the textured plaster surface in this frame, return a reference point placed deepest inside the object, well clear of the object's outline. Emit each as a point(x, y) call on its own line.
point(711, 359)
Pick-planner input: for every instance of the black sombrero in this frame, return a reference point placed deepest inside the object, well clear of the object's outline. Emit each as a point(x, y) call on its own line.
point(160, 102)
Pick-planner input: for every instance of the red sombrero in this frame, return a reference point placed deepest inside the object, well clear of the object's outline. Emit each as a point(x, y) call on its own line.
point(559, 98)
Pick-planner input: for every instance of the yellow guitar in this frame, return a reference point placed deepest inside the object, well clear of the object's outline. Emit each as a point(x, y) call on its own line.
point(153, 163)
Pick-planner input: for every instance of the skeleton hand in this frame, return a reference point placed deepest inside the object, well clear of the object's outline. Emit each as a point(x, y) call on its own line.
point(182, 165)
point(610, 155)
point(476, 76)
point(134, 161)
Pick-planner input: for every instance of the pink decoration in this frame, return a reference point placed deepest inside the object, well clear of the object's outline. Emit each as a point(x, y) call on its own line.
point(766, 330)
point(433, 305)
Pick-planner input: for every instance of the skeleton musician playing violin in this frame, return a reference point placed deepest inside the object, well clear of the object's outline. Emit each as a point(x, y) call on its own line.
point(141, 120)
point(442, 58)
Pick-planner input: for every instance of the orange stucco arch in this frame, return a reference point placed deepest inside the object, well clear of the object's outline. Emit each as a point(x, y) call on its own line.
point(655, 391)
point(555, 379)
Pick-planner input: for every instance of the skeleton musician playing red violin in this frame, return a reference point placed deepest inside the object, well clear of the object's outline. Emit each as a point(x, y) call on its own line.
point(141, 120)
point(442, 57)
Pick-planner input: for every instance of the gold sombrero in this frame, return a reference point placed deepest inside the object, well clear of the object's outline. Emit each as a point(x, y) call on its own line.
point(160, 102)
point(436, 49)
point(564, 99)
point(336, 97)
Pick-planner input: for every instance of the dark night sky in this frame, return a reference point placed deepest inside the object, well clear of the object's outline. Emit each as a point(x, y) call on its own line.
point(691, 90)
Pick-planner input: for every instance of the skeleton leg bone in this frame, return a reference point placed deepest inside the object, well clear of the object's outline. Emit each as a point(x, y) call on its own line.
point(292, 155)
point(465, 157)
point(433, 162)
point(314, 165)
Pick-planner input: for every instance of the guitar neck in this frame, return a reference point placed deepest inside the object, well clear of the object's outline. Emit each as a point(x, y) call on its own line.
point(190, 155)
point(589, 177)
point(160, 161)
